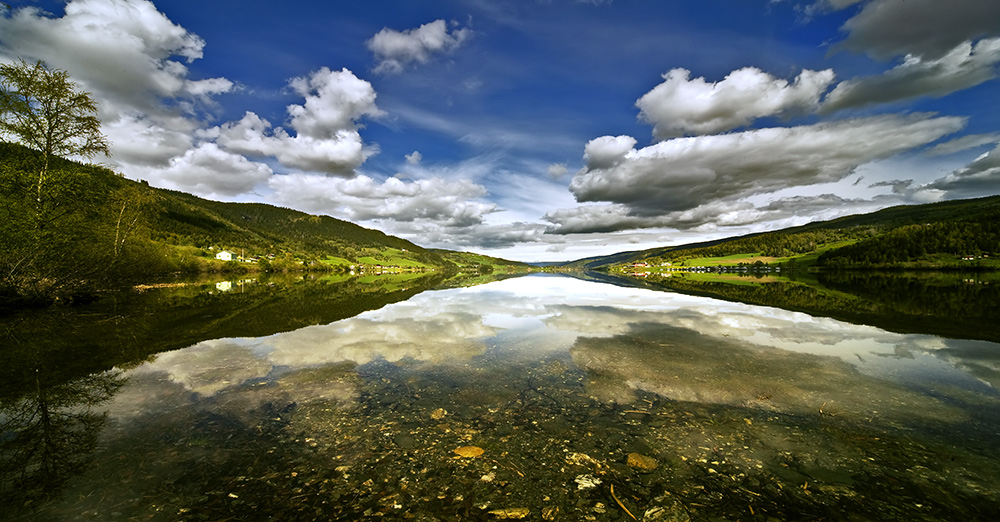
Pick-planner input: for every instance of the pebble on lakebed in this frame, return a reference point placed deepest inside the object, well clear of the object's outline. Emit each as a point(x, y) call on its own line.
point(641, 462)
point(469, 451)
point(510, 513)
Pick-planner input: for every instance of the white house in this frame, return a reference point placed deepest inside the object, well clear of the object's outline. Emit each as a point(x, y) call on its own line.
point(225, 255)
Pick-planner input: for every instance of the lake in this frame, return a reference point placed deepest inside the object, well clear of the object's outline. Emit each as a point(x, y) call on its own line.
point(543, 397)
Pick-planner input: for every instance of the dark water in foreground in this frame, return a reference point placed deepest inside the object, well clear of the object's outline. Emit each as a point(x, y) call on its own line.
point(537, 398)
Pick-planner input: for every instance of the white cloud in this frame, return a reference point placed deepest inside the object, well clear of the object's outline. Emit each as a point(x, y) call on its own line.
point(338, 155)
point(208, 87)
point(963, 67)
point(663, 183)
point(557, 170)
point(131, 57)
point(124, 50)
point(211, 171)
point(970, 141)
point(447, 203)
point(395, 50)
point(414, 158)
point(334, 101)
point(327, 139)
point(607, 151)
point(680, 105)
point(139, 141)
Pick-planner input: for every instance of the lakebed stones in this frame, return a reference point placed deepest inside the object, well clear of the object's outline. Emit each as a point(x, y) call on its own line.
point(666, 509)
point(469, 451)
point(588, 481)
point(510, 513)
point(641, 462)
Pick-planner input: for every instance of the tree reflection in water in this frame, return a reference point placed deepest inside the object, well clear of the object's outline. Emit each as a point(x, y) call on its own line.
point(48, 434)
point(583, 399)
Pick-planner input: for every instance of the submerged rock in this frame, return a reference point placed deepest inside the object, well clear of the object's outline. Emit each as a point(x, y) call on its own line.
point(586, 482)
point(510, 513)
point(642, 462)
point(469, 451)
point(666, 509)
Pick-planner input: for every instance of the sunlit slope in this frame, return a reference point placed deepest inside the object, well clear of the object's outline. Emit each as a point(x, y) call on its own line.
point(182, 225)
point(182, 218)
point(946, 234)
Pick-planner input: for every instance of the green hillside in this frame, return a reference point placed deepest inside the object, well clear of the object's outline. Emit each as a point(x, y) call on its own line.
point(949, 234)
point(260, 230)
point(87, 229)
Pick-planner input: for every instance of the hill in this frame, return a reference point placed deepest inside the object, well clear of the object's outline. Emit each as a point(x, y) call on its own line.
point(84, 228)
point(946, 234)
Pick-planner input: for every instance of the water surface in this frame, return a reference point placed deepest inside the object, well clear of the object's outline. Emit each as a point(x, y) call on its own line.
point(541, 398)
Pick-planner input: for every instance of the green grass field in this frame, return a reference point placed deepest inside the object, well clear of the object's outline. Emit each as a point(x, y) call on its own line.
point(336, 261)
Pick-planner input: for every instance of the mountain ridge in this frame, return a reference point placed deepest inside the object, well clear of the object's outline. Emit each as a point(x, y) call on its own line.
point(856, 229)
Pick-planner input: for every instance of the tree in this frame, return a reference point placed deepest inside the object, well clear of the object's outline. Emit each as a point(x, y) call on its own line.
point(45, 111)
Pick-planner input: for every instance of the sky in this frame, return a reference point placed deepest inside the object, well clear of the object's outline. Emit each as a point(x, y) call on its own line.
point(540, 130)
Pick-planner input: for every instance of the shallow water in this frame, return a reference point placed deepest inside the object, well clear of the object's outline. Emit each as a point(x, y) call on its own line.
point(538, 398)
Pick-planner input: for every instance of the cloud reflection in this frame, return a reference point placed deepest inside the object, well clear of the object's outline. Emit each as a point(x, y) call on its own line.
point(681, 347)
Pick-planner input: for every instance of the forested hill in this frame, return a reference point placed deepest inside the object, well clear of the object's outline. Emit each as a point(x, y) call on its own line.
point(79, 228)
point(184, 219)
point(935, 235)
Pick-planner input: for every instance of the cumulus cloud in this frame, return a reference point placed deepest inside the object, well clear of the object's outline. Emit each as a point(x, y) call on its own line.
point(334, 101)
point(132, 58)
point(681, 181)
point(928, 28)
point(607, 151)
point(326, 139)
point(450, 203)
point(964, 66)
point(414, 158)
point(681, 106)
point(141, 141)
point(210, 170)
point(338, 155)
point(557, 170)
point(395, 50)
point(124, 50)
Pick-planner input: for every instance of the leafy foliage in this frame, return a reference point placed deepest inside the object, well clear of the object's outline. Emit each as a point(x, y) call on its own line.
point(82, 236)
point(965, 238)
point(47, 112)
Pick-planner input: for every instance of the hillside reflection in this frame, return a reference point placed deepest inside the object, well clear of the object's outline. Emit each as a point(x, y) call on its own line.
point(578, 400)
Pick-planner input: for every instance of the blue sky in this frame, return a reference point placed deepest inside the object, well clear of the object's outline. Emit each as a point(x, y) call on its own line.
point(540, 130)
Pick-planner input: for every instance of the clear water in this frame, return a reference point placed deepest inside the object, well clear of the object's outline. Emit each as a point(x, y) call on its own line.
point(565, 400)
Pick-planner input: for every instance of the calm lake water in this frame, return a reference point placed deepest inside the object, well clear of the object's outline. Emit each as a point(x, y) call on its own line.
point(534, 398)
